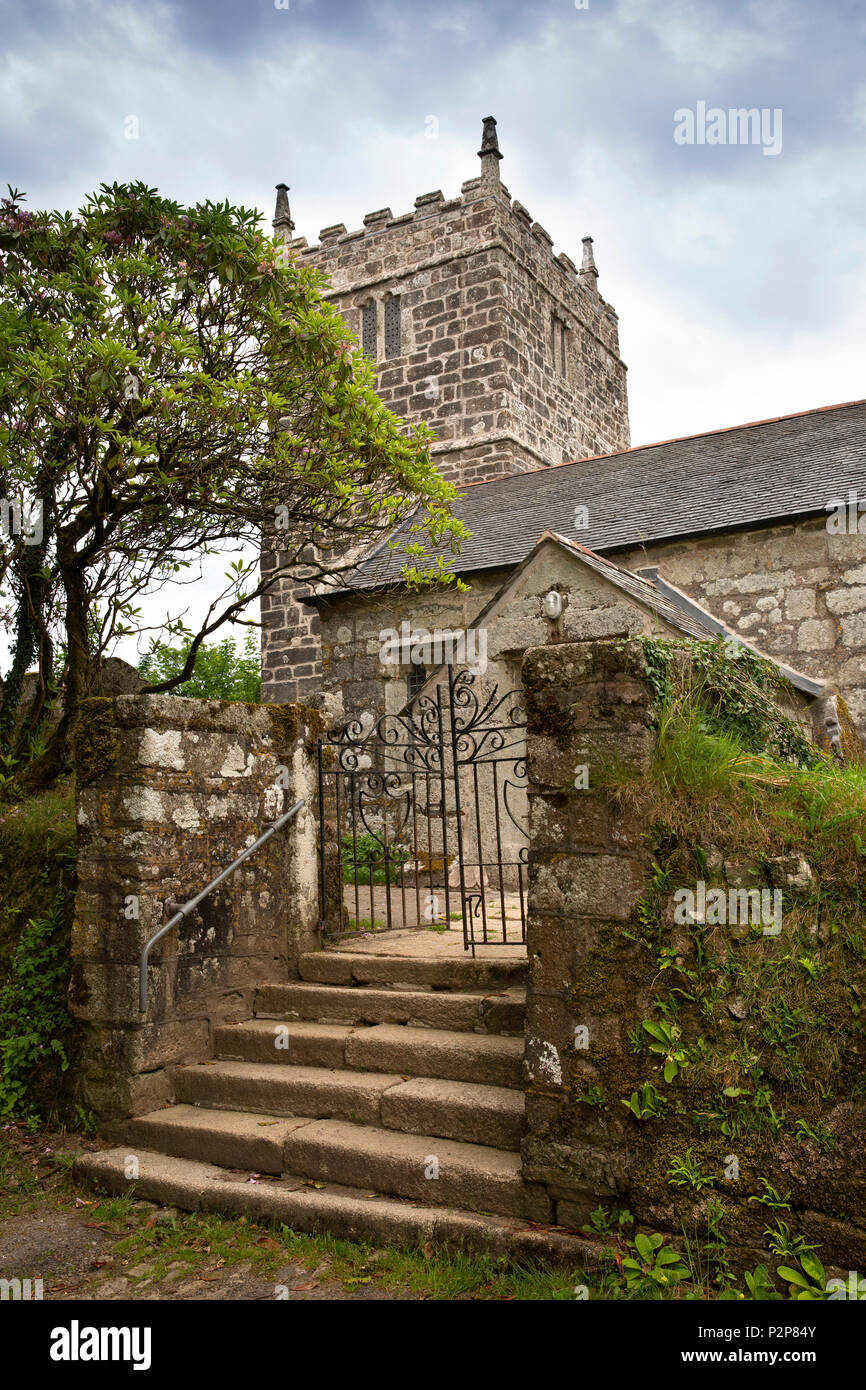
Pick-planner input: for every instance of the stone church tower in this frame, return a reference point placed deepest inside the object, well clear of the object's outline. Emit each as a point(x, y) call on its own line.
point(505, 350)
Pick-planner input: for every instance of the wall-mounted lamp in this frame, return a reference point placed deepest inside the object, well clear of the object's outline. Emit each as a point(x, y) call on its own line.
point(552, 604)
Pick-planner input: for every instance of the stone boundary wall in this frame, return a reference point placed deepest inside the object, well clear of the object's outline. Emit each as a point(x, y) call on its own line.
point(170, 791)
point(600, 929)
point(588, 866)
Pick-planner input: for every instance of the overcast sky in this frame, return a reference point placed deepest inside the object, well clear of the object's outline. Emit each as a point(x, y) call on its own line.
point(738, 276)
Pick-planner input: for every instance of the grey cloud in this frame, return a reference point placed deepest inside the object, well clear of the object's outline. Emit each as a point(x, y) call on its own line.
point(333, 96)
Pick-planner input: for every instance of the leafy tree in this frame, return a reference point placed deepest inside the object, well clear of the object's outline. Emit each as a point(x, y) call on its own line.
point(221, 671)
point(171, 383)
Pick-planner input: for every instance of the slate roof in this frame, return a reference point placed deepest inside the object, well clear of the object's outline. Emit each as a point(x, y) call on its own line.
point(745, 476)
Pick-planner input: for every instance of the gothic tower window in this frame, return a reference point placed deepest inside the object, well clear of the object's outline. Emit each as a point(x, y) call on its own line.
point(368, 329)
point(392, 326)
point(558, 345)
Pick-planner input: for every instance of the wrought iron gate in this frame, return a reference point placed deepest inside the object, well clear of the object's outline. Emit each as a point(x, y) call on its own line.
point(423, 817)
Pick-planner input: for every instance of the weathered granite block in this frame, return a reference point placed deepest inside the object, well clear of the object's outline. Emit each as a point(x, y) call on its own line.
point(589, 866)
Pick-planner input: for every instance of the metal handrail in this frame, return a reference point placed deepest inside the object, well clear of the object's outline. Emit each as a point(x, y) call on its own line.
point(194, 902)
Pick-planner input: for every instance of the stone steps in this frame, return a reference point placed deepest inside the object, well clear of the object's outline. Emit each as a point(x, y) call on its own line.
point(390, 1084)
point(437, 1171)
point(464, 1012)
point(480, 1058)
point(410, 972)
point(228, 1138)
point(346, 1214)
point(491, 1115)
point(472, 1177)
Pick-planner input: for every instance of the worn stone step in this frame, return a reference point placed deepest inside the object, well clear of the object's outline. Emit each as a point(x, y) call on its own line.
point(233, 1140)
point(315, 1091)
point(343, 1213)
point(485, 1059)
point(459, 1012)
point(489, 1115)
point(409, 972)
point(300, 1044)
point(440, 1172)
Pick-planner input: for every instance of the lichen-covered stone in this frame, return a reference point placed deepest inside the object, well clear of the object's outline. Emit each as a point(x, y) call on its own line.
point(170, 791)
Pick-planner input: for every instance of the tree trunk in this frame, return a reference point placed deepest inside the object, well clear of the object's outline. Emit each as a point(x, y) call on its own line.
point(31, 635)
point(57, 758)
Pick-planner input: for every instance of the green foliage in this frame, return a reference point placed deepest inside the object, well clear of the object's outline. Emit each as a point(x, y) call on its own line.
point(751, 1109)
point(593, 1096)
point(769, 1197)
point(760, 1287)
point(222, 672)
point(37, 869)
point(667, 1043)
point(734, 692)
point(35, 1027)
point(818, 1134)
point(717, 1243)
point(37, 850)
point(605, 1221)
point(756, 1036)
point(171, 382)
point(646, 1103)
point(653, 1263)
point(809, 1282)
point(686, 1172)
point(782, 1241)
point(364, 859)
point(657, 655)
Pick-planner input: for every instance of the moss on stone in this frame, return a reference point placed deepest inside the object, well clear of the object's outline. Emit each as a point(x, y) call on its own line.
point(806, 1077)
point(545, 715)
point(288, 720)
point(853, 753)
point(95, 740)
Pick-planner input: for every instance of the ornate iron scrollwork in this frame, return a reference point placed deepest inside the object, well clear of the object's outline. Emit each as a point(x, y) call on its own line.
point(434, 786)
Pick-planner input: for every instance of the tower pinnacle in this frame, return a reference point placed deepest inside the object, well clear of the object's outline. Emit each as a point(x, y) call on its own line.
point(489, 154)
point(588, 267)
point(283, 224)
